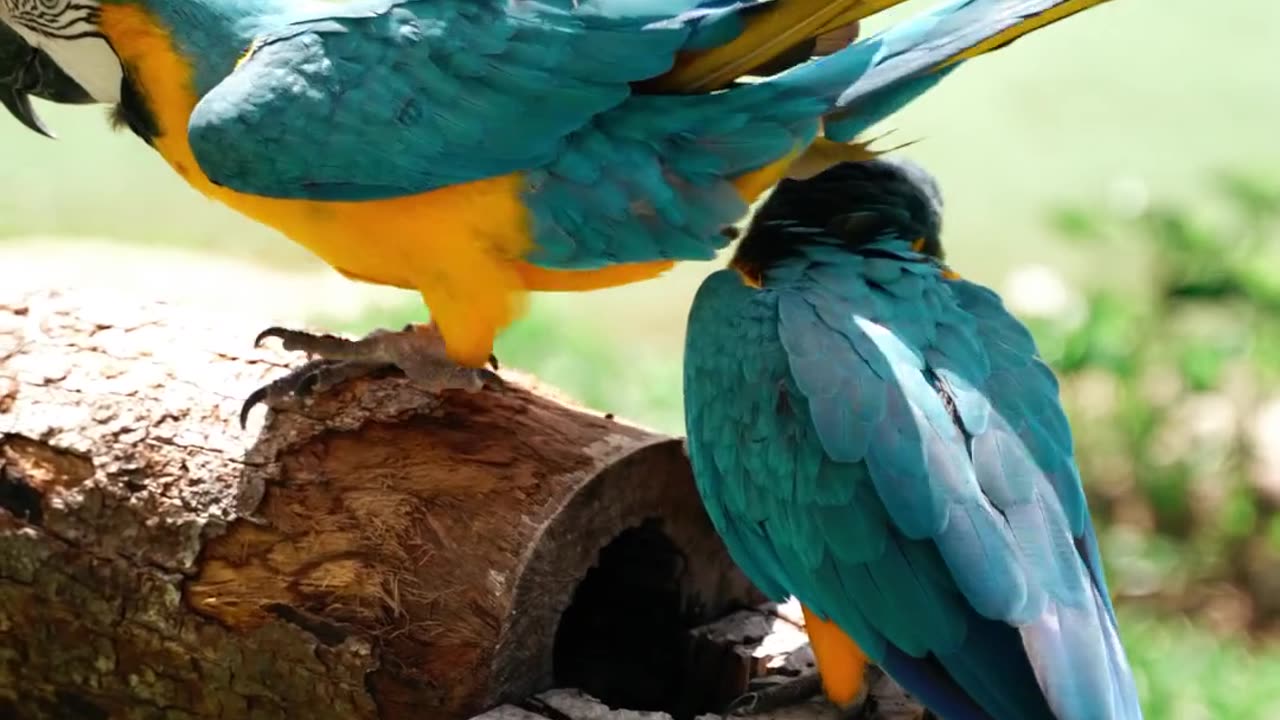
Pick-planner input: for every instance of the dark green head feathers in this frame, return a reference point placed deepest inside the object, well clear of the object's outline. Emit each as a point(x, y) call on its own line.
point(853, 203)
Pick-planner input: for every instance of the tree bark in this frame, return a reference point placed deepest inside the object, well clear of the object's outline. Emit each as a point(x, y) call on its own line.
point(378, 552)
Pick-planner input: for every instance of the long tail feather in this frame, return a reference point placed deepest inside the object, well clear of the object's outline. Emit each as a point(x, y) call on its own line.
point(1034, 19)
point(870, 80)
point(771, 33)
point(909, 53)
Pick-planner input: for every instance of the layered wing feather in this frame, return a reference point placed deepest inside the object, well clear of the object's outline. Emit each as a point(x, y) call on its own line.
point(763, 38)
point(391, 97)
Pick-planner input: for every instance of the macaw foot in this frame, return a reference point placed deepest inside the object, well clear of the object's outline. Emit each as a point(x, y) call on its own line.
point(776, 696)
point(417, 351)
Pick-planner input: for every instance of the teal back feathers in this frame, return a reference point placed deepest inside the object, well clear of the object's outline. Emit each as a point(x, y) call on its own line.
point(882, 440)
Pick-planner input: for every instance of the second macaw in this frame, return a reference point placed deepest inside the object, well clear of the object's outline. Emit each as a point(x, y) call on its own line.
point(475, 150)
point(879, 437)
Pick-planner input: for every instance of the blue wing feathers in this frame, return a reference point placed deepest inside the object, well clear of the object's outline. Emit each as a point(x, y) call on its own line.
point(858, 538)
point(930, 682)
point(915, 507)
point(1022, 386)
point(1011, 691)
point(907, 573)
point(849, 406)
point(987, 567)
point(450, 76)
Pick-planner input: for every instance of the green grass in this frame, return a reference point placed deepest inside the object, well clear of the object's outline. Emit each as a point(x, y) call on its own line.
point(1187, 673)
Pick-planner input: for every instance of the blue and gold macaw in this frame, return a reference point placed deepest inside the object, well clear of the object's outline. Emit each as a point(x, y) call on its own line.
point(475, 150)
point(879, 438)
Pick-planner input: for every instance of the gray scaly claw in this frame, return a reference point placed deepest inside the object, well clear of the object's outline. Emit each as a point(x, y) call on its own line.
point(314, 376)
point(415, 351)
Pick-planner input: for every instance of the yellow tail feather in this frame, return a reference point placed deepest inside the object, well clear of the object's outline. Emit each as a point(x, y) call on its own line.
point(1057, 12)
point(841, 663)
point(823, 154)
point(769, 34)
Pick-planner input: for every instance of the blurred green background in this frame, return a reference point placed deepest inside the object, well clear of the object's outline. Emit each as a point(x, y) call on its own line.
point(1116, 176)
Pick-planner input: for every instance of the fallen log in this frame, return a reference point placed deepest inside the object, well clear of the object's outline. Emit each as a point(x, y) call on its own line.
point(373, 552)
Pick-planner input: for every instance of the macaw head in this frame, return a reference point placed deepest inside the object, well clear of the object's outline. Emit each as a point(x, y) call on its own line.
point(855, 203)
point(54, 49)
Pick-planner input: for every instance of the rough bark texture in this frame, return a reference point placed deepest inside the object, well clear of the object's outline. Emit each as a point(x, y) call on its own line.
point(375, 553)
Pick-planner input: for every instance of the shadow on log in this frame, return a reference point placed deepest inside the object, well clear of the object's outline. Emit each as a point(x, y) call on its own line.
point(377, 552)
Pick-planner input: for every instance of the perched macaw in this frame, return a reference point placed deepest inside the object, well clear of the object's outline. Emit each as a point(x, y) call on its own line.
point(475, 150)
point(879, 438)
point(26, 71)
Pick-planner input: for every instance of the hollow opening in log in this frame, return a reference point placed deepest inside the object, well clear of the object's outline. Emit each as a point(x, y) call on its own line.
point(19, 498)
point(623, 639)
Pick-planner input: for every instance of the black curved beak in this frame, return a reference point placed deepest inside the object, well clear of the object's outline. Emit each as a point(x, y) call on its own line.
point(27, 71)
point(19, 104)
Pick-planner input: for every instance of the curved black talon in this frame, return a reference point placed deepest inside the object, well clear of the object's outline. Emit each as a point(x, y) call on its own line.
point(309, 377)
point(250, 403)
point(310, 342)
point(272, 331)
point(297, 382)
point(491, 379)
point(493, 362)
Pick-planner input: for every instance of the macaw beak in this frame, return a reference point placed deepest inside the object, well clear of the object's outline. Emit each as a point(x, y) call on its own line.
point(19, 104)
point(27, 71)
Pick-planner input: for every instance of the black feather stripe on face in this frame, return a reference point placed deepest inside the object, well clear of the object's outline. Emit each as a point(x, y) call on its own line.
point(56, 19)
point(133, 113)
